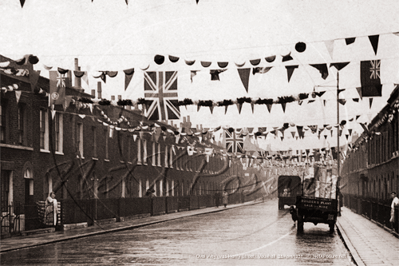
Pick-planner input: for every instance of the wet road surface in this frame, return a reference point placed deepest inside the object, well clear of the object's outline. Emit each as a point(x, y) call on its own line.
point(252, 235)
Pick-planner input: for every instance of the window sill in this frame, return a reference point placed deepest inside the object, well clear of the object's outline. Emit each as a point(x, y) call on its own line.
point(94, 159)
point(59, 153)
point(16, 147)
point(106, 160)
point(45, 151)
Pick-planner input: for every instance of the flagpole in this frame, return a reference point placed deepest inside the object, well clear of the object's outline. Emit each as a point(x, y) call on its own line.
point(338, 150)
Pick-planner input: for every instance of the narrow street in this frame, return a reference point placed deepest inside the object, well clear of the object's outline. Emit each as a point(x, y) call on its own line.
point(258, 234)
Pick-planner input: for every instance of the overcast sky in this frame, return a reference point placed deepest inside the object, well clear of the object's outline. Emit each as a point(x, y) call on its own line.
point(108, 35)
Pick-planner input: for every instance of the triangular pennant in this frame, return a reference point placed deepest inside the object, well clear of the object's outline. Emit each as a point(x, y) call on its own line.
point(211, 109)
point(18, 95)
point(290, 71)
point(269, 106)
point(260, 70)
point(330, 47)
point(339, 65)
point(332, 132)
point(244, 76)
point(134, 137)
point(374, 42)
point(365, 127)
point(347, 136)
point(252, 106)
point(53, 114)
point(350, 40)
point(322, 69)
point(357, 117)
point(350, 131)
point(287, 57)
point(324, 102)
point(22, 3)
point(164, 138)
point(283, 105)
point(128, 76)
point(293, 134)
point(239, 106)
point(225, 109)
point(359, 90)
point(355, 100)
point(66, 102)
point(325, 136)
point(82, 116)
point(215, 73)
point(371, 102)
point(342, 101)
point(193, 73)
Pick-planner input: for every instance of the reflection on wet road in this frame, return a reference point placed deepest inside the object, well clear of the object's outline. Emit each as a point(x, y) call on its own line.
point(253, 235)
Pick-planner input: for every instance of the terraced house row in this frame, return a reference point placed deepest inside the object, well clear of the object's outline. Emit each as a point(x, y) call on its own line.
point(371, 171)
point(95, 155)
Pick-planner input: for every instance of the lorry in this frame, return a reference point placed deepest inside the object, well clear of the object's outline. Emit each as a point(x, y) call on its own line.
point(318, 202)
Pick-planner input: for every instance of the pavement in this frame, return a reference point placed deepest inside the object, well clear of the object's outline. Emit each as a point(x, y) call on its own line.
point(368, 243)
point(29, 241)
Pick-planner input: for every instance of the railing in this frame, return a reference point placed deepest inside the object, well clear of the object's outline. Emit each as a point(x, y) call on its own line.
point(378, 211)
point(11, 221)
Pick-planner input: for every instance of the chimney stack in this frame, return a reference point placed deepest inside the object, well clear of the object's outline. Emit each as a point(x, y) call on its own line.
point(78, 83)
point(112, 97)
point(93, 93)
point(99, 95)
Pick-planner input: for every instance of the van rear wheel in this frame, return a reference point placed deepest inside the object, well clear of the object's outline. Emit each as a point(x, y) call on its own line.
point(300, 226)
point(332, 226)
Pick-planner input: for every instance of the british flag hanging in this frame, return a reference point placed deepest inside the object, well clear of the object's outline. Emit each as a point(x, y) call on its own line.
point(234, 143)
point(160, 90)
point(370, 77)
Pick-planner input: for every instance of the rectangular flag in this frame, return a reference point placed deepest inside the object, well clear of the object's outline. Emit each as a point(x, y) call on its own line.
point(234, 143)
point(58, 84)
point(160, 90)
point(370, 77)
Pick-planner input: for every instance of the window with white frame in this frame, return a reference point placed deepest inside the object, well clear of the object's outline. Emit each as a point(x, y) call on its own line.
point(94, 135)
point(106, 142)
point(154, 154)
point(21, 124)
point(159, 155)
point(145, 152)
point(139, 151)
point(3, 121)
point(171, 157)
point(44, 130)
point(58, 132)
point(79, 139)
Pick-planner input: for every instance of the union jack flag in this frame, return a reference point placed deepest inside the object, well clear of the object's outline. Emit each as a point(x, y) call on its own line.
point(375, 69)
point(370, 78)
point(234, 142)
point(160, 90)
